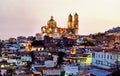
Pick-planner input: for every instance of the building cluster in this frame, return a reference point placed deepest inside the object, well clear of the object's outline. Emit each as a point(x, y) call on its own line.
point(60, 52)
point(52, 30)
point(107, 38)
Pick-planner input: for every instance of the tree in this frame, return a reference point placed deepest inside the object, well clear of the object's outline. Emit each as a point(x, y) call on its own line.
point(10, 72)
point(58, 44)
point(88, 43)
point(28, 64)
point(32, 56)
point(60, 58)
point(62, 73)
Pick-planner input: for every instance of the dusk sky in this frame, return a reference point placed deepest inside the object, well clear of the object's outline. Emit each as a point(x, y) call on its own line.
point(25, 17)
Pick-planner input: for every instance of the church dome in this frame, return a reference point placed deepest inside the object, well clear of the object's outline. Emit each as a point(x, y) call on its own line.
point(51, 23)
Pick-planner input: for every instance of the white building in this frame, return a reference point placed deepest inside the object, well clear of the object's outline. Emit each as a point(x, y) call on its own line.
point(70, 70)
point(49, 63)
point(26, 58)
point(53, 72)
point(105, 58)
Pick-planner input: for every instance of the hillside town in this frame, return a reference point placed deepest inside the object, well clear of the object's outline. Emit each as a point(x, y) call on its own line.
point(60, 51)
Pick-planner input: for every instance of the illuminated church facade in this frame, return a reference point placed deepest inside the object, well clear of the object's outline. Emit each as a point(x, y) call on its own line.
point(52, 30)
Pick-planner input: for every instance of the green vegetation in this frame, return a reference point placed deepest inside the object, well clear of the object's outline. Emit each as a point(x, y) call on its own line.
point(10, 72)
point(60, 58)
point(62, 73)
point(88, 43)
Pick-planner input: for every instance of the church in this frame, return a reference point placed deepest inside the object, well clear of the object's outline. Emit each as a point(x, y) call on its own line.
point(52, 30)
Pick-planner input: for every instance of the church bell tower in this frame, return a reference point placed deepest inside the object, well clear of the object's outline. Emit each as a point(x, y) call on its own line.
point(70, 22)
point(75, 24)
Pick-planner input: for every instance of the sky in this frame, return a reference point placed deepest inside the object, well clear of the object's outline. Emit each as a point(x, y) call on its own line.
point(26, 17)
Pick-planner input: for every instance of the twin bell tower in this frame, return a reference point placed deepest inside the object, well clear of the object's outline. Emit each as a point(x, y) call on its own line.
point(73, 25)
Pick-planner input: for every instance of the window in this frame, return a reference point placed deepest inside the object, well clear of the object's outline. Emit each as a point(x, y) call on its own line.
point(93, 55)
point(99, 55)
point(102, 56)
point(97, 62)
point(107, 56)
point(111, 57)
point(105, 63)
point(96, 55)
point(101, 62)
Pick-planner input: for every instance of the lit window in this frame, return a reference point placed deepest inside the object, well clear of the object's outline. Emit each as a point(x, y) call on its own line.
point(2, 66)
